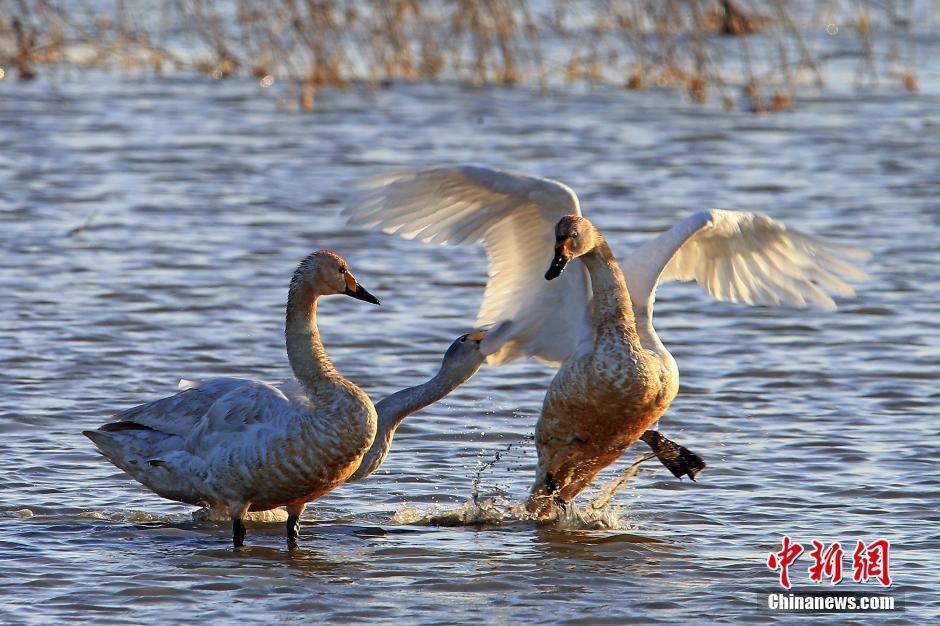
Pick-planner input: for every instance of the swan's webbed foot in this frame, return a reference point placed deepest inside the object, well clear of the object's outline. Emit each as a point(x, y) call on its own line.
point(293, 531)
point(238, 532)
point(551, 488)
point(545, 500)
point(678, 459)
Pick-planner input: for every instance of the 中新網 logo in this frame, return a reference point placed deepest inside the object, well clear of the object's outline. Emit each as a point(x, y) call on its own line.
point(869, 561)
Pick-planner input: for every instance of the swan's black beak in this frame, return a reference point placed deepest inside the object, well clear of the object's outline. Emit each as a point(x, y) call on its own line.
point(558, 264)
point(361, 294)
point(357, 291)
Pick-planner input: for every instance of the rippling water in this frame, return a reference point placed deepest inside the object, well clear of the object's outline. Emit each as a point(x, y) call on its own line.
point(202, 198)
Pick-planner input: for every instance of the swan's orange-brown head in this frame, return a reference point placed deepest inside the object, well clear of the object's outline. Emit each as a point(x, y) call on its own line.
point(574, 236)
point(327, 273)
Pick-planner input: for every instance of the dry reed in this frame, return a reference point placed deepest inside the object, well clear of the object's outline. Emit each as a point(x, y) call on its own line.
point(702, 47)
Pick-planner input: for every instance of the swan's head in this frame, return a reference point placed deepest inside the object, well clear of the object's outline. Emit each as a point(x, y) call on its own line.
point(463, 358)
point(326, 273)
point(574, 236)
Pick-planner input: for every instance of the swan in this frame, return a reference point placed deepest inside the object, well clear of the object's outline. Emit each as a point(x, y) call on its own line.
point(127, 443)
point(246, 445)
point(461, 361)
point(595, 320)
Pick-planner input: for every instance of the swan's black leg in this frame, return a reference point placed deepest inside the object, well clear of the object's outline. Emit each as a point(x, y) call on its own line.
point(551, 487)
point(293, 531)
point(238, 532)
point(678, 459)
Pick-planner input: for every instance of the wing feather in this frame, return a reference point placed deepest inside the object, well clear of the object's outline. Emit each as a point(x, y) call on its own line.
point(735, 256)
point(179, 413)
point(745, 257)
point(253, 406)
point(513, 216)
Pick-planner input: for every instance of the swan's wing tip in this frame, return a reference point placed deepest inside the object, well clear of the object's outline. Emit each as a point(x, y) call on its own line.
point(857, 254)
point(749, 258)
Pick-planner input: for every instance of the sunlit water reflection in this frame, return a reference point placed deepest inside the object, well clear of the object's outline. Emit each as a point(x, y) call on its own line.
point(204, 196)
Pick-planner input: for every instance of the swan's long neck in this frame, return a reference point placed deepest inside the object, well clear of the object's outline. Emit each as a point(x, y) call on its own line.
point(308, 358)
point(648, 336)
point(393, 409)
point(396, 407)
point(612, 309)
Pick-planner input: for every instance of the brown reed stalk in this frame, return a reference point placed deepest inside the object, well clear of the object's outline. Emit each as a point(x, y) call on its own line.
point(316, 44)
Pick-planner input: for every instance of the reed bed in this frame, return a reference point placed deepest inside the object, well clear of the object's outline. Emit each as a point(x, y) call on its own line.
point(764, 50)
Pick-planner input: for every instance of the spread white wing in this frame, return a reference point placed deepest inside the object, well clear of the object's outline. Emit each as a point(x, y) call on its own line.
point(744, 257)
point(514, 217)
point(735, 256)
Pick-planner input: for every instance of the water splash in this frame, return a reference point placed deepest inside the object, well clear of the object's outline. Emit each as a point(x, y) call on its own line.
point(273, 516)
point(473, 512)
point(497, 457)
point(501, 512)
point(600, 514)
point(130, 516)
point(609, 490)
point(203, 515)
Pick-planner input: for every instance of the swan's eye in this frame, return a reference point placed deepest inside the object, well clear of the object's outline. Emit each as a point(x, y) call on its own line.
point(342, 270)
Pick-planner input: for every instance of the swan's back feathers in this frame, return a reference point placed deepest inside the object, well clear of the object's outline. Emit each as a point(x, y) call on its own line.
point(514, 216)
point(252, 406)
point(744, 257)
point(215, 408)
point(138, 439)
point(178, 414)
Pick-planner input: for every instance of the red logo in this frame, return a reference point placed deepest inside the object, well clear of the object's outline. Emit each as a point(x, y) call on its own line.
point(868, 561)
point(871, 561)
point(783, 559)
point(826, 563)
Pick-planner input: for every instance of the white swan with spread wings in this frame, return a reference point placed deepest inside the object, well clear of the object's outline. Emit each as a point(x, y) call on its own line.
point(734, 256)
